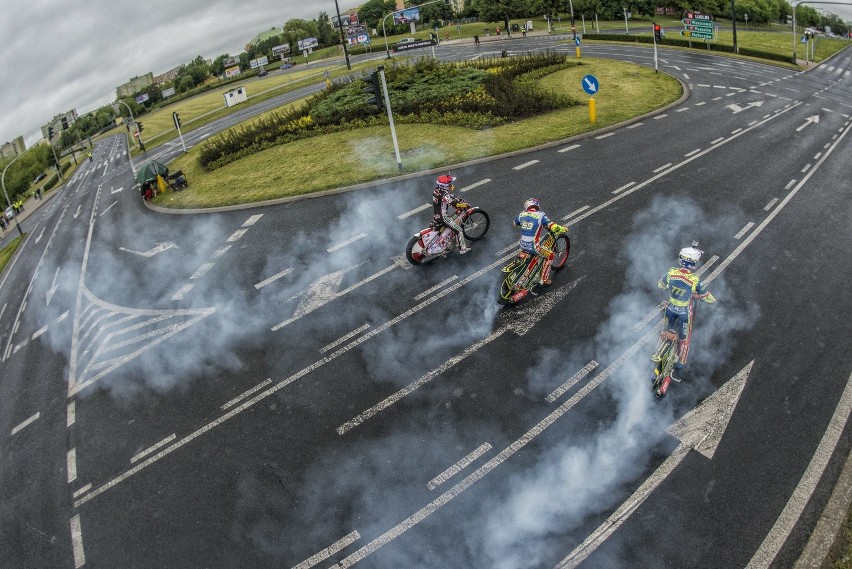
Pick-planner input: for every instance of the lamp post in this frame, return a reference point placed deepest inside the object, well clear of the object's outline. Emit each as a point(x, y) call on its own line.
point(626, 29)
point(129, 155)
point(342, 39)
point(3, 183)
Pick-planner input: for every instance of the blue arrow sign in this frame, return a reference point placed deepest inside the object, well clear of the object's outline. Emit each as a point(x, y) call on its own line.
point(590, 84)
point(577, 41)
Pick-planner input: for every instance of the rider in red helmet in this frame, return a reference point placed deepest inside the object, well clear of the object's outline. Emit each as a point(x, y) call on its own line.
point(532, 222)
point(444, 205)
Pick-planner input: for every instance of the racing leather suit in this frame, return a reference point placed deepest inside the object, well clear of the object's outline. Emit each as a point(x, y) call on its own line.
point(682, 285)
point(532, 224)
point(444, 205)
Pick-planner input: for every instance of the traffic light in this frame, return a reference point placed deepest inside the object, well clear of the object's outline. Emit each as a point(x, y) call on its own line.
point(139, 127)
point(374, 90)
point(658, 32)
point(50, 133)
point(176, 118)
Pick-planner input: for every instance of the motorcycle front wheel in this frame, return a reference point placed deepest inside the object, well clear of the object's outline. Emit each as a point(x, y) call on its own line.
point(506, 291)
point(476, 225)
point(413, 252)
point(561, 248)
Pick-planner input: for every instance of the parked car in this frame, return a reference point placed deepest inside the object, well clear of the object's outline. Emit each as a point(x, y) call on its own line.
point(9, 213)
point(404, 41)
point(262, 73)
point(39, 178)
point(286, 65)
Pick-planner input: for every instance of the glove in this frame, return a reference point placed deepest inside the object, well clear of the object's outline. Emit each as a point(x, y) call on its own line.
point(558, 230)
point(462, 205)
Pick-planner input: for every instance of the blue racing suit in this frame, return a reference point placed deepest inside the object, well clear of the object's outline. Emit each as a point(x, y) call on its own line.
point(533, 224)
point(682, 285)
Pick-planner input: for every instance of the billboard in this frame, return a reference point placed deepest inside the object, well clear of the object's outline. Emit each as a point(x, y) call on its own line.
point(141, 98)
point(232, 72)
point(308, 43)
point(259, 62)
point(281, 49)
point(346, 19)
point(168, 92)
point(406, 16)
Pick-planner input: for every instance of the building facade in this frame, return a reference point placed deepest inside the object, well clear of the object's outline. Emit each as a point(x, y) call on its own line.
point(12, 148)
point(167, 76)
point(61, 122)
point(134, 85)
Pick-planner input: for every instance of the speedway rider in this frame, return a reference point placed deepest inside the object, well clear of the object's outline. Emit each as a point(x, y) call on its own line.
point(532, 221)
point(682, 285)
point(444, 205)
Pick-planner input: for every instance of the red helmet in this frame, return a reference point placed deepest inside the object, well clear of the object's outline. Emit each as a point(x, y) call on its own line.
point(445, 181)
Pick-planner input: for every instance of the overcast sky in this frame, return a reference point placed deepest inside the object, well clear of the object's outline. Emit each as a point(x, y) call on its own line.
point(58, 56)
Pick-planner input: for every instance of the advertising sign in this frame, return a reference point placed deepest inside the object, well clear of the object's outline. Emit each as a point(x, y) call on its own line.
point(345, 19)
point(308, 43)
point(414, 45)
point(168, 92)
point(357, 39)
point(259, 62)
point(141, 98)
point(281, 49)
point(406, 16)
point(232, 72)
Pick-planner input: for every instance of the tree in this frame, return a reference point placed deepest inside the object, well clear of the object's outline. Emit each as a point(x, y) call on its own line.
point(326, 34)
point(218, 67)
point(372, 12)
point(184, 84)
point(502, 10)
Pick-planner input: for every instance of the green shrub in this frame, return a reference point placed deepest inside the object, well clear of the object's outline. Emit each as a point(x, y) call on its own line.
point(479, 94)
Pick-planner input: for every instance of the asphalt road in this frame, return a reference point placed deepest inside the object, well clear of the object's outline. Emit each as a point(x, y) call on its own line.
point(277, 386)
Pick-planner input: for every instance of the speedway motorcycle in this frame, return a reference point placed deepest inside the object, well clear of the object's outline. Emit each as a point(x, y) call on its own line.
point(431, 243)
point(523, 273)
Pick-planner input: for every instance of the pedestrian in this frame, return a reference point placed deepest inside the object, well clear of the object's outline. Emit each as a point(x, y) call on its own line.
point(476, 40)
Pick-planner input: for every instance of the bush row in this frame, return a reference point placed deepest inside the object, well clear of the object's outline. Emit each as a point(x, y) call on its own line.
point(683, 42)
point(480, 94)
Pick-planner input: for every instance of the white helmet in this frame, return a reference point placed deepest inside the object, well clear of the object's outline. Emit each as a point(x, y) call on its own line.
point(689, 257)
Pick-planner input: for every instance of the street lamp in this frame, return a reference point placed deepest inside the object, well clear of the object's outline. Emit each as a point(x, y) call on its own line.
point(129, 155)
point(3, 183)
point(342, 39)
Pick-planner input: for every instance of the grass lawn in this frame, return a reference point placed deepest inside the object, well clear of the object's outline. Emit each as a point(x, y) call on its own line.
point(341, 159)
point(9, 250)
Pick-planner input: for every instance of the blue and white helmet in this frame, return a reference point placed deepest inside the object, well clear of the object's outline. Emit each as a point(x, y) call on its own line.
point(689, 257)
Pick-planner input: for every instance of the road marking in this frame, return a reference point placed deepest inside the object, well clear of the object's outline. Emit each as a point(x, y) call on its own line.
point(159, 248)
point(348, 336)
point(23, 424)
point(791, 513)
point(273, 278)
point(735, 131)
point(634, 125)
point(474, 185)
point(83, 490)
point(744, 230)
point(658, 117)
point(77, 542)
point(182, 291)
point(571, 382)
point(806, 168)
point(621, 189)
point(700, 429)
point(71, 415)
point(717, 141)
point(413, 211)
point(493, 463)
point(71, 461)
point(661, 168)
point(109, 208)
point(459, 466)
point(604, 135)
point(771, 203)
point(568, 148)
point(441, 284)
point(789, 184)
point(246, 393)
point(39, 332)
point(579, 211)
point(285, 382)
point(525, 164)
point(221, 251)
point(329, 551)
point(817, 155)
point(202, 270)
point(116, 191)
point(236, 235)
point(696, 151)
point(252, 220)
point(152, 448)
point(349, 241)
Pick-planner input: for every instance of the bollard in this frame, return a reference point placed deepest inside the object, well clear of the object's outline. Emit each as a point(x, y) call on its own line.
point(592, 112)
point(578, 52)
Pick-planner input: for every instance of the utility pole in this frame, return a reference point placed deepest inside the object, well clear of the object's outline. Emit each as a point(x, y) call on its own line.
point(342, 37)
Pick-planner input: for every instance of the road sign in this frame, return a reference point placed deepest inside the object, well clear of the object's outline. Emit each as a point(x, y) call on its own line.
point(590, 84)
point(577, 41)
point(697, 35)
point(697, 22)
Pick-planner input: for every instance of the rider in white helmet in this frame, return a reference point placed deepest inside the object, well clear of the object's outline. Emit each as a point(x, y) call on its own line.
point(532, 222)
point(682, 285)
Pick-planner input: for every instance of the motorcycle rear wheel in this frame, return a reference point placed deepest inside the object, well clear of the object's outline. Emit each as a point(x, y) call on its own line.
point(506, 291)
point(476, 225)
point(560, 252)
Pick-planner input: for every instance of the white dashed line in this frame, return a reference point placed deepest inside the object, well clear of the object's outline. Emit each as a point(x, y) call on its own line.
point(572, 381)
point(252, 220)
point(622, 188)
point(771, 203)
point(696, 151)
point(236, 235)
point(349, 241)
point(458, 467)
point(744, 230)
point(413, 211)
point(474, 185)
point(575, 212)
point(634, 125)
point(26, 422)
point(71, 461)
point(273, 278)
point(71, 417)
point(202, 270)
point(567, 148)
point(525, 164)
point(245, 394)
point(342, 339)
point(661, 168)
point(604, 135)
point(329, 551)
point(152, 448)
point(182, 291)
point(39, 332)
point(77, 542)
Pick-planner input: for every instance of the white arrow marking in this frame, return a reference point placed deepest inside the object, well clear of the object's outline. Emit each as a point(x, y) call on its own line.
point(78, 211)
point(40, 235)
point(520, 322)
point(151, 252)
point(116, 191)
point(52, 290)
point(591, 85)
point(808, 121)
point(736, 108)
point(700, 429)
